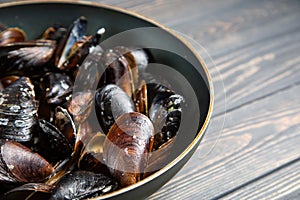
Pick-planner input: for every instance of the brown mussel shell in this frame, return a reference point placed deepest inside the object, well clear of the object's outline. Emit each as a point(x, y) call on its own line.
point(26, 57)
point(117, 71)
point(127, 146)
point(21, 164)
point(18, 111)
point(12, 35)
point(7, 80)
point(91, 158)
point(80, 106)
point(141, 99)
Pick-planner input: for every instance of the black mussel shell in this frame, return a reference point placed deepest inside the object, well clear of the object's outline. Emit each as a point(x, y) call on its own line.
point(111, 102)
point(82, 185)
point(58, 87)
point(166, 117)
point(18, 111)
point(74, 35)
point(90, 70)
point(52, 144)
point(64, 123)
point(156, 92)
point(165, 109)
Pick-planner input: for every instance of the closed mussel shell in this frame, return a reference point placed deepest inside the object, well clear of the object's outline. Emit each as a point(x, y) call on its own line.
point(20, 164)
point(12, 35)
point(82, 185)
point(127, 146)
point(18, 111)
point(111, 102)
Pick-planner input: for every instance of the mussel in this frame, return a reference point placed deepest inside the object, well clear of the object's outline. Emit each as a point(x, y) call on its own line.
point(165, 112)
point(19, 164)
point(71, 42)
point(12, 35)
point(80, 105)
point(111, 102)
point(57, 87)
point(82, 185)
point(18, 111)
point(7, 80)
point(127, 146)
point(122, 66)
point(64, 123)
point(26, 57)
point(52, 144)
point(50, 90)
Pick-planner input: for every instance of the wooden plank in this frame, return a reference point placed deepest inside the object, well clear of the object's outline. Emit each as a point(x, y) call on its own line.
point(243, 38)
point(255, 45)
point(258, 137)
point(277, 185)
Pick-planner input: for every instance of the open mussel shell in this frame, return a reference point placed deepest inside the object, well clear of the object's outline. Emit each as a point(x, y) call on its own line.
point(82, 185)
point(18, 111)
point(117, 71)
point(80, 105)
point(165, 112)
point(160, 157)
point(52, 144)
point(140, 99)
point(127, 146)
point(12, 35)
point(111, 102)
point(91, 158)
point(58, 88)
point(136, 57)
point(55, 32)
point(19, 164)
point(32, 191)
point(166, 117)
point(64, 123)
point(74, 35)
point(26, 57)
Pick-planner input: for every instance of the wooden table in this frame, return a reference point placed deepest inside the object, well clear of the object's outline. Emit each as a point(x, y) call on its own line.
point(255, 46)
point(252, 147)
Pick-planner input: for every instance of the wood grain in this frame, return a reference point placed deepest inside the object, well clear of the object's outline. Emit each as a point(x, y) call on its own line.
point(255, 46)
point(248, 148)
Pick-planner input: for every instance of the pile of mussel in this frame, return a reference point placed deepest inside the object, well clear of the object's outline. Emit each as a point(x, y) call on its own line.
point(50, 145)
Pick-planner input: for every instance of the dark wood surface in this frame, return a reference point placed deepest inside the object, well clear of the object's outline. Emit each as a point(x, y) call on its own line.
point(252, 148)
point(256, 48)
